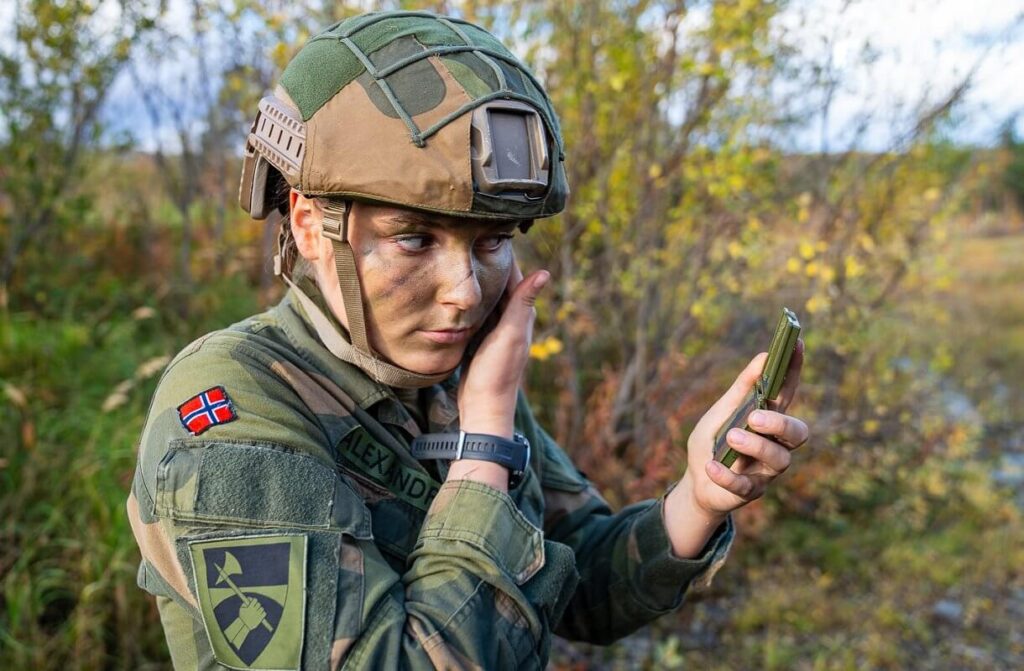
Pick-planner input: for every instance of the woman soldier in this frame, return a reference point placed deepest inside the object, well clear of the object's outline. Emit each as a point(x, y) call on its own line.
point(353, 478)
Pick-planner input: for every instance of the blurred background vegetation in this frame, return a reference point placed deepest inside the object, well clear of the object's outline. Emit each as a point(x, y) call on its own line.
point(895, 541)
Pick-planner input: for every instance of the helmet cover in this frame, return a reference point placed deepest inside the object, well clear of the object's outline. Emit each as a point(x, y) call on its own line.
point(414, 110)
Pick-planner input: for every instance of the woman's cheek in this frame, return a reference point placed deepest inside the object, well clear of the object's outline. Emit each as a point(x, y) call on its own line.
point(493, 279)
point(393, 277)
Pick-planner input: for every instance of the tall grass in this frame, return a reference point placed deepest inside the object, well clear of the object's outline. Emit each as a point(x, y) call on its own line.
point(76, 391)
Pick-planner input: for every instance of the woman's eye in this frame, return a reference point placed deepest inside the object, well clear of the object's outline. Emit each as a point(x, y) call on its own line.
point(413, 243)
point(493, 243)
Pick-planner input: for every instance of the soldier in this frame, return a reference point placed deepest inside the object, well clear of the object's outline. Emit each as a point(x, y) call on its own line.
point(353, 477)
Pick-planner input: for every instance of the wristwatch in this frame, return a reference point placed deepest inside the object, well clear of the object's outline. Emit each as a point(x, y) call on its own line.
point(512, 454)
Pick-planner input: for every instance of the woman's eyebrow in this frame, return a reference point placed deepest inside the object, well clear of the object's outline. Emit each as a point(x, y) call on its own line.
point(406, 220)
point(412, 219)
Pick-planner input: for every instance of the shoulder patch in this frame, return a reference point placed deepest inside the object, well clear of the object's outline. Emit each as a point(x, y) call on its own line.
point(206, 409)
point(252, 594)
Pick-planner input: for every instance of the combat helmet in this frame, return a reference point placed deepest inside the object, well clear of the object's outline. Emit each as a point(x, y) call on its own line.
point(408, 109)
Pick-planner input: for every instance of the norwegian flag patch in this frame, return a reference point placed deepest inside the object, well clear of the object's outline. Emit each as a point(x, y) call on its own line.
point(207, 409)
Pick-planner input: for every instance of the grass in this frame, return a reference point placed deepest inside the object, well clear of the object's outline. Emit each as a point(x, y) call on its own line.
point(76, 394)
point(987, 318)
point(847, 583)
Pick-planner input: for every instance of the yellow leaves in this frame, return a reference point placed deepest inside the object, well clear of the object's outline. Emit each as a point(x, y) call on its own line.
point(697, 309)
point(852, 267)
point(565, 311)
point(812, 269)
point(870, 426)
point(735, 249)
point(618, 82)
point(754, 224)
point(959, 442)
point(806, 250)
point(276, 21)
point(866, 242)
point(793, 265)
point(235, 83)
point(932, 195)
point(706, 69)
point(934, 482)
point(654, 171)
point(280, 55)
point(828, 274)
point(804, 201)
point(817, 303)
point(545, 349)
point(942, 360)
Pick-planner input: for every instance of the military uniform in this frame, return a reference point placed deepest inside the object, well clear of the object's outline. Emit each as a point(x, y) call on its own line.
point(282, 518)
point(284, 524)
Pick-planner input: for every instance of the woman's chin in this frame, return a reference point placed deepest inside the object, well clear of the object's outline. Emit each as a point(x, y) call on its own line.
point(434, 363)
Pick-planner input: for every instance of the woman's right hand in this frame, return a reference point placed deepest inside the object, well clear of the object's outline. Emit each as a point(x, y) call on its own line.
point(488, 388)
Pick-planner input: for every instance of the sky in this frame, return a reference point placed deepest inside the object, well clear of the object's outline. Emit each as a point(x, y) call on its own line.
point(921, 50)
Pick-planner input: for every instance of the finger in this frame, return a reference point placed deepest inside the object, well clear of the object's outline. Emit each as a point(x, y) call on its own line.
point(788, 391)
point(789, 431)
point(773, 456)
point(746, 487)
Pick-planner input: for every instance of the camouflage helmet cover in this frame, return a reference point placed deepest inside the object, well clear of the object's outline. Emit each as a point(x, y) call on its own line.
point(396, 107)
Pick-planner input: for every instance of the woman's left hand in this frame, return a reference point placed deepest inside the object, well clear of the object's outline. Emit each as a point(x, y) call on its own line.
point(708, 490)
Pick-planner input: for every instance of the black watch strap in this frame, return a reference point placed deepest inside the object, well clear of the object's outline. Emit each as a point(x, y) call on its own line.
point(512, 454)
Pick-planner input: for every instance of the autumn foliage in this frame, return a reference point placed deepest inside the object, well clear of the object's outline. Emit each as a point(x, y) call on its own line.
point(694, 217)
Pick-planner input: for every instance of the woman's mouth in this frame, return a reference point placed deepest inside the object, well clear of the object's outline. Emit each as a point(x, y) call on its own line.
point(448, 336)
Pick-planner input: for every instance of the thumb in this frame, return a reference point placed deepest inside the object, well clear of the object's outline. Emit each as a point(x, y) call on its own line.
point(519, 312)
point(531, 287)
point(524, 295)
point(741, 386)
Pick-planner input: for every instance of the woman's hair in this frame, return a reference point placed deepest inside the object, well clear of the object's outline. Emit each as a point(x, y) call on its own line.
point(293, 264)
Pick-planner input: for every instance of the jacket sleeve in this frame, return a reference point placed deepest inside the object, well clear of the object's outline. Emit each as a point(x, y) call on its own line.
point(628, 573)
point(261, 555)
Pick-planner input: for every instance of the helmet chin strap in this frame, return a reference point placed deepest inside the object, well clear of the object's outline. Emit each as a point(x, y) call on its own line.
point(358, 352)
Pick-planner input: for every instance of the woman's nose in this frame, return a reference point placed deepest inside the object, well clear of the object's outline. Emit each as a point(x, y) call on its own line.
point(459, 285)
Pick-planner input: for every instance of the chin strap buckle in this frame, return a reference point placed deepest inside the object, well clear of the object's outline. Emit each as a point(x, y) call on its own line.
point(335, 224)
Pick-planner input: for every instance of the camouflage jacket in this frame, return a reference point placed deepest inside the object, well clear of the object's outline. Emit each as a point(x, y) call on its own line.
point(284, 524)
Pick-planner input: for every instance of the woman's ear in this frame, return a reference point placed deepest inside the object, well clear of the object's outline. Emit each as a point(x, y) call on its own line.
point(306, 223)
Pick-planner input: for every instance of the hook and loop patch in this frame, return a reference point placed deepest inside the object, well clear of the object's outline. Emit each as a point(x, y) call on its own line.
point(252, 594)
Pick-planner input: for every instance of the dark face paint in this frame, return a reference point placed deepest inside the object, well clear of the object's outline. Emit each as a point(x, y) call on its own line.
point(422, 277)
